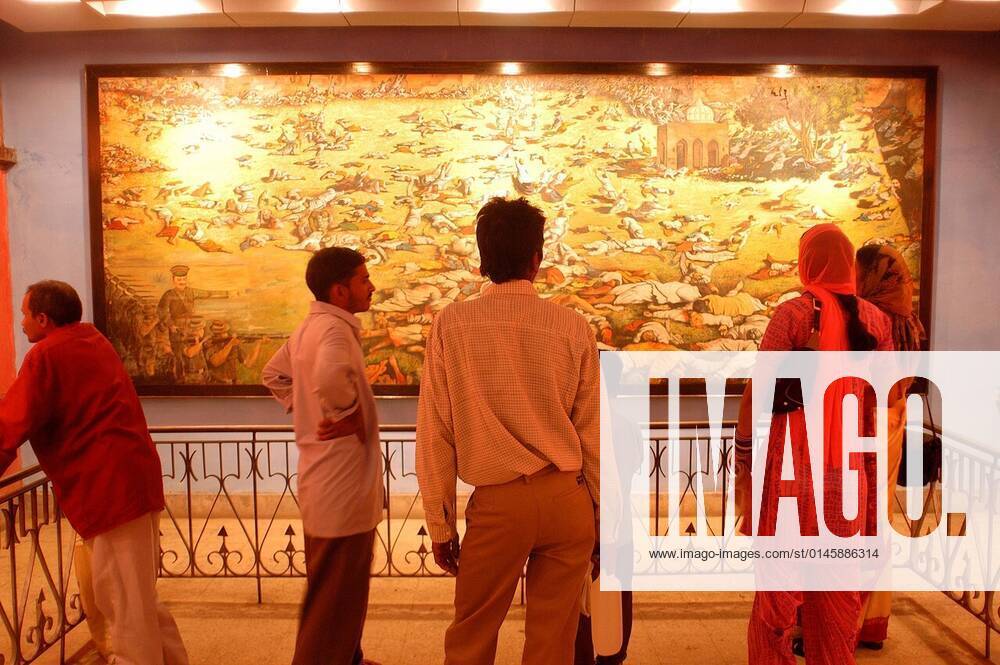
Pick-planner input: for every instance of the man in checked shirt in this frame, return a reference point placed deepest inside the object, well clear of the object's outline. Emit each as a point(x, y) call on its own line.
point(509, 403)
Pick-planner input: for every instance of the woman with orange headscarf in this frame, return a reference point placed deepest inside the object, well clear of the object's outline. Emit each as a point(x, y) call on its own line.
point(826, 269)
point(884, 280)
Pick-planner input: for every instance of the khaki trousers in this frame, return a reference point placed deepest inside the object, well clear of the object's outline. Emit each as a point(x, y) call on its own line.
point(136, 627)
point(547, 520)
point(338, 572)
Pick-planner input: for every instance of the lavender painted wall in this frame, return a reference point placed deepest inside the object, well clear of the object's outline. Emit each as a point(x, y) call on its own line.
point(42, 80)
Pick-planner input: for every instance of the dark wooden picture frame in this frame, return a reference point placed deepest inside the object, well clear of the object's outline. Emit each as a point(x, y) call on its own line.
point(96, 73)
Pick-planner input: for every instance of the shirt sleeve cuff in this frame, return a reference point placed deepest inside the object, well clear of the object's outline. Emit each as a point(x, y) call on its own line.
point(440, 532)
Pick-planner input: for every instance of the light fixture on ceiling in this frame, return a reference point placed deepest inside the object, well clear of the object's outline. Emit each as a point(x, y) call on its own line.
point(657, 69)
point(732, 6)
point(514, 6)
point(150, 7)
point(756, 7)
point(870, 7)
point(716, 6)
point(510, 68)
point(361, 67)
point(316, 6)
point(866, 8)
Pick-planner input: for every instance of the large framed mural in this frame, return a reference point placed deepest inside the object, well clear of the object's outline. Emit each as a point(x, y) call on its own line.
point(675, 196)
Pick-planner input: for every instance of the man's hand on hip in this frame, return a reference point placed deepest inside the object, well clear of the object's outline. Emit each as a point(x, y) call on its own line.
point(334, 429)
point(446, 555)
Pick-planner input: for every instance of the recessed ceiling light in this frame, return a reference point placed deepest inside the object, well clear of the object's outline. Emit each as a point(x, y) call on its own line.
point(362, 67)
point(716, 6)
point(510, 68)
point(657, 69)
point(879, 7)
point(151, 7)
point(867, 8)
point(513, 6)
point(317, 6)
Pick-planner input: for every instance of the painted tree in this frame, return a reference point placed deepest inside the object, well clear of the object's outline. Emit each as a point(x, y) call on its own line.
point(809, 108)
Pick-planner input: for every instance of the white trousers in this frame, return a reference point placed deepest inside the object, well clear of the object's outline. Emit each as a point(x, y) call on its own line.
point(127, 618)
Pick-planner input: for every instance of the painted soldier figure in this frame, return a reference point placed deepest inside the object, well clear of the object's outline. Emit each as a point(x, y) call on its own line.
point(224, 353)
point(176, 308)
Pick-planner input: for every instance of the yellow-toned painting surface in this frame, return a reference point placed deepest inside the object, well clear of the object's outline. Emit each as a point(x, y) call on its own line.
point(674, 203)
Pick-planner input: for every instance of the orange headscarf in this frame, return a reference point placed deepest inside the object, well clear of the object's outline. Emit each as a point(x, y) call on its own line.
point(885, 281)
point(826, 267)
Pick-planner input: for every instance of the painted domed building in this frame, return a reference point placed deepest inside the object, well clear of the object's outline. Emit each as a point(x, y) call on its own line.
point(698, 143)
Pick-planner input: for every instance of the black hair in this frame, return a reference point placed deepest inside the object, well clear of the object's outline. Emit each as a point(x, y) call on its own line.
point(57, 300)
point(859, 338)
point(333, 265)
point(509, 234)
point(866, 257)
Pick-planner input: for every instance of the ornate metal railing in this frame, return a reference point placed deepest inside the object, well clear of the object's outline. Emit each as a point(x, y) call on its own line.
point(39, 599)
point(232, 507)
point(697, 467)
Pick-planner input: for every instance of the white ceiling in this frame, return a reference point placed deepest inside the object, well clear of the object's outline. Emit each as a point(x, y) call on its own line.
point(61, 15)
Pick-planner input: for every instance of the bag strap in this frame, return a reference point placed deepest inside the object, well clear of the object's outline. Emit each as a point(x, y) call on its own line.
point(817, 311)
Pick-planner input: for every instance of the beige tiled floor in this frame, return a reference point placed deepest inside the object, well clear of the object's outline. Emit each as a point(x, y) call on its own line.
point(222, 623)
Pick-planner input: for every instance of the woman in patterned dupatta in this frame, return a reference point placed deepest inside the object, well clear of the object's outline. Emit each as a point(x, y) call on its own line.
point(829, 619)
point(884, 280)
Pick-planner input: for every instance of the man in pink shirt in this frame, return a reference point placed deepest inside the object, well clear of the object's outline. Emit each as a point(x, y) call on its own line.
point(74, 401)
point(319, 376)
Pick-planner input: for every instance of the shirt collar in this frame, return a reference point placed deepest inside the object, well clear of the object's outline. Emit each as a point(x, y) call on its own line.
point(317, 307)
point(515, 287)
point(62, 332)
